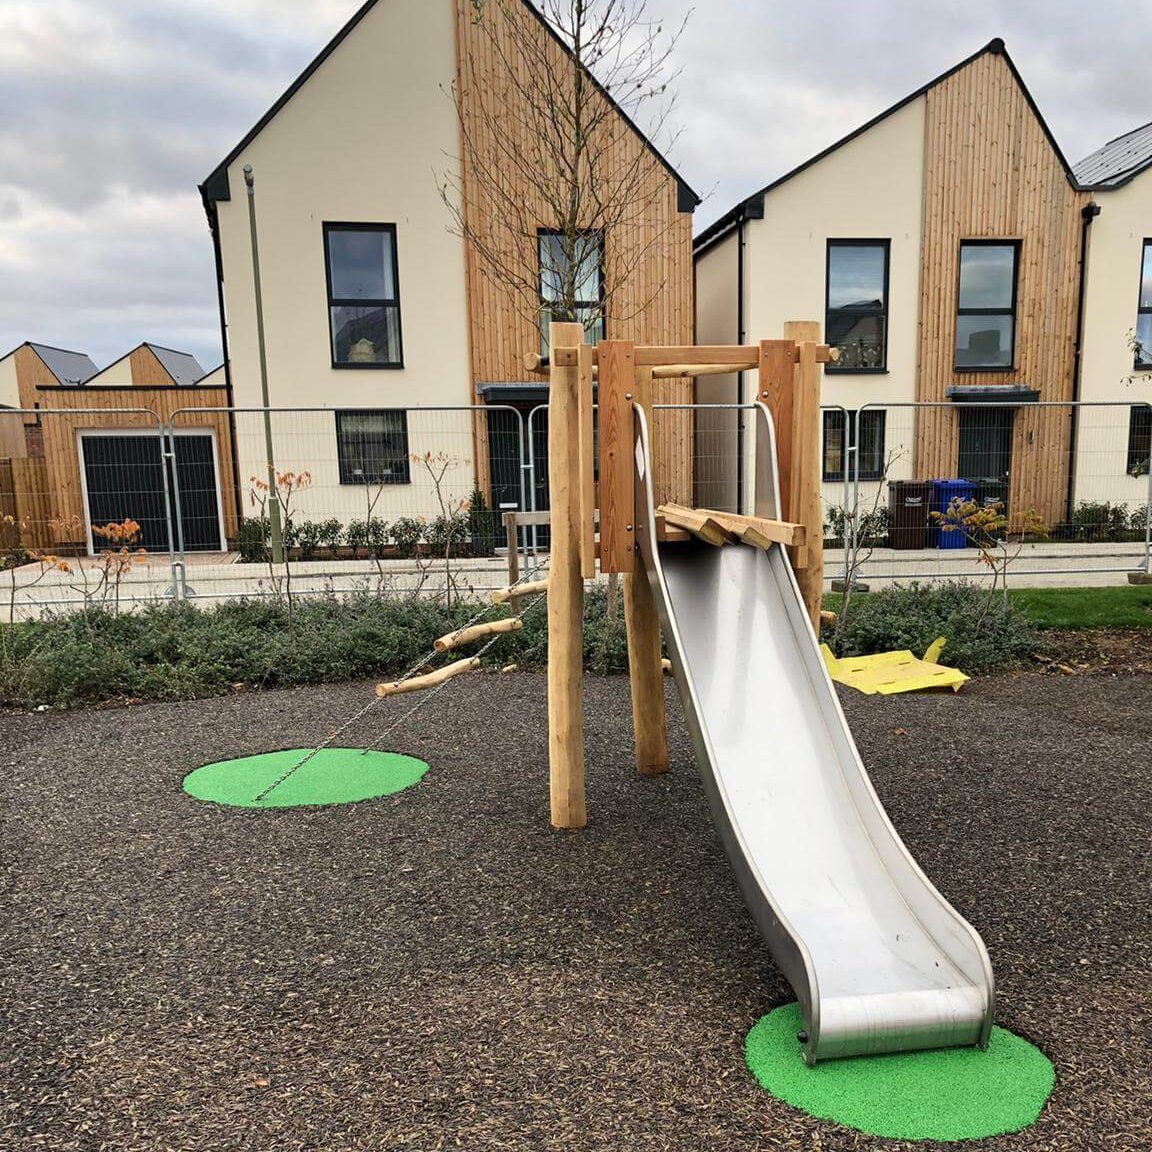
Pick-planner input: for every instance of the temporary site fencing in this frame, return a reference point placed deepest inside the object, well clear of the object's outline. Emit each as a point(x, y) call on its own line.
point(230, 502)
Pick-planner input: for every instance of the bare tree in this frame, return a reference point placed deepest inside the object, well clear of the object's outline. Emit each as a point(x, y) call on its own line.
point(554, 192)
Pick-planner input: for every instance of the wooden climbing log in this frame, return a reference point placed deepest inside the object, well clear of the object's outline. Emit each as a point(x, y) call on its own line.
point(531, 588)
point(466, 636)
point(430, 679)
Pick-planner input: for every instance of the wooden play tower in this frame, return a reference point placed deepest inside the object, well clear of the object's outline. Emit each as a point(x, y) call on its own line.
point(788, 384)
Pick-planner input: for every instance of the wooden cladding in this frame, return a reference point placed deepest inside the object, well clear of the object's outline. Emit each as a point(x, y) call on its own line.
point(655, 304)
point(990, 172)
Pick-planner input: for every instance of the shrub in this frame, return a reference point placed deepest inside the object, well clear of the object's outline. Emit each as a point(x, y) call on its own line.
point(873, 526)
point(407, 532)
point(984, 632)
point(305, 537)
point(330, 532)
point(252, 539)
point(377, 537)
point(178, 651)
point(357, 534)
point(447, 534)
point(481, 525)
point(1101, 520)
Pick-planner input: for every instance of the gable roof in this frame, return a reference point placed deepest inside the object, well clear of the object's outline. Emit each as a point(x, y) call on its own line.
point(751, 205)
point(68, 367)
point(182, 367)
point(216, 185)
point(1119, 161)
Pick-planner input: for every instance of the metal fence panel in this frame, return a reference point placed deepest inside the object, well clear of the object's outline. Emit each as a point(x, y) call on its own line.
point(395, 501)
point(1069, 481)
point(85, 509)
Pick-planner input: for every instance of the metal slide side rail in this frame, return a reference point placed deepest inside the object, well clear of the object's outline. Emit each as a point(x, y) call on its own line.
point(1074, 407)
point(878, 959)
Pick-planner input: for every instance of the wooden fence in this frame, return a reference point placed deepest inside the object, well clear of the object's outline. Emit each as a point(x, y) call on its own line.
point(25, 495)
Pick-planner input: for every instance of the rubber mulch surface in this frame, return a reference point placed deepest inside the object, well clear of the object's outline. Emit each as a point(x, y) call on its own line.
point(440, 969)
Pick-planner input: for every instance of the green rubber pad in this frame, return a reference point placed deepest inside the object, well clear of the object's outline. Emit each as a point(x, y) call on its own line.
point(945, 1094)
point(332, 776)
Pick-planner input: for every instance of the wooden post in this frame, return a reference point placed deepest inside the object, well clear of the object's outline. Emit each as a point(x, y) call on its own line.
point(512, 538)
point(776, 388)
point(645, 671)
point(587, 464)
point(617, 487)
point(565, 590)
point(804, 485)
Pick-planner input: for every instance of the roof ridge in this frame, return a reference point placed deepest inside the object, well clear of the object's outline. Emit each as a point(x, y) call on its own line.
point(995, 47)
point(165, 348)
point(215, 185)
point(53, 347)
point(1117, 139)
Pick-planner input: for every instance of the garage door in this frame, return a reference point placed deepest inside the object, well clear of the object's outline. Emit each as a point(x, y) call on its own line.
point(123, 480)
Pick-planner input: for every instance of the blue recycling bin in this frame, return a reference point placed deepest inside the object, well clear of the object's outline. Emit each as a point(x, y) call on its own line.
point(943, 493)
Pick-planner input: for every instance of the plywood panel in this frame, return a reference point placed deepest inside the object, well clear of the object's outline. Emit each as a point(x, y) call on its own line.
point(990, 172)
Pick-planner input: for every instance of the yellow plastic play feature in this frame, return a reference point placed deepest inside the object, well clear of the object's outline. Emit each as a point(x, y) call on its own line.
point(887, 673)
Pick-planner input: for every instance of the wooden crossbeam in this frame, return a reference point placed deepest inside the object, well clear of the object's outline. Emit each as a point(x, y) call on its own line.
point(684, 360)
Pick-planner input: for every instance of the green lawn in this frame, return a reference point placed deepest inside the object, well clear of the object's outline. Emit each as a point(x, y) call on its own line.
point(1127, 607)
point(1124, 607)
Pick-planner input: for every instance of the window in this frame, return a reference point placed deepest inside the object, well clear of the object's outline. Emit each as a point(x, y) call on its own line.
point(856, 307)
point(363, 295)
point(373, 446)
point(986, 305)
point(1139, 440)
point(865, 432)
point(1143, 351)
point(587, 290)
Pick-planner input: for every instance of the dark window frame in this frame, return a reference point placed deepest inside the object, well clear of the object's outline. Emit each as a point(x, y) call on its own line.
point(541, 233)
point(835, 368)
point(1139, 365)
point(988, 242)
point(330, 226)
point(347, 475)
point(850, 416)
point(1136, 461)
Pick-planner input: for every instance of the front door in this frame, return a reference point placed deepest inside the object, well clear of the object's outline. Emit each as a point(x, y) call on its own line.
point(985, 444)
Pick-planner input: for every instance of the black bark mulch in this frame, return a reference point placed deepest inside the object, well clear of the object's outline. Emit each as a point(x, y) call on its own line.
point(440, 969)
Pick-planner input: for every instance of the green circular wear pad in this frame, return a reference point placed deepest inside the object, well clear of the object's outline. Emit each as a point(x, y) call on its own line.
point(332, 776)
point(943, 1094)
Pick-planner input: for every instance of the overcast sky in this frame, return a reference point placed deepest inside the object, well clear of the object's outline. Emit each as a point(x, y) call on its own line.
point(112, 111)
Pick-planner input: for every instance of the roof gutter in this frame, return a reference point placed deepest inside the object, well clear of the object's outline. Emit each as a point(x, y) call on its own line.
point(1087, 214)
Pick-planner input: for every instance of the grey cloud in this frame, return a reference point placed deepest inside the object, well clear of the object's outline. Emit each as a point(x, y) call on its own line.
point(111, 112)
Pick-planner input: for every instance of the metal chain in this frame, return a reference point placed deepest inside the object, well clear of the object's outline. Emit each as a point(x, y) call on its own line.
point(421, 663)
point(427, 696)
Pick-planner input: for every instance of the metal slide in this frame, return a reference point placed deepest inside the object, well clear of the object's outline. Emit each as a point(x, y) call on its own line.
point(878, 959)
